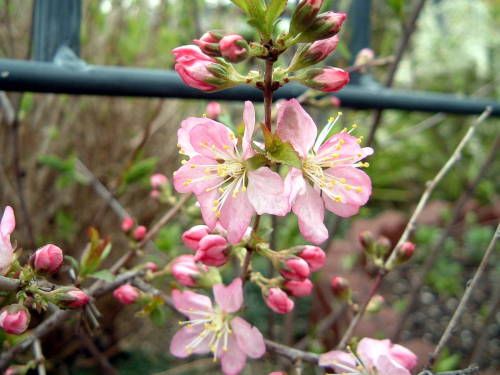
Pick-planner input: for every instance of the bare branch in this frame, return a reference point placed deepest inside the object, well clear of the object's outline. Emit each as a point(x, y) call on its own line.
point(8, 284)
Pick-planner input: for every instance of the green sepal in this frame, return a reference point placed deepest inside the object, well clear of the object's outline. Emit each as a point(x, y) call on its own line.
point(256, 161)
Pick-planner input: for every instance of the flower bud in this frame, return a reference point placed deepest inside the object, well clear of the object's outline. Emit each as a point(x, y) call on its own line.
point(304, 15)
point(126, 294)
point(192, 236)
point(295, 269)
point(367, 241)
point(154, 194)
point(158, 180)
point(403, 253)
point(140, 233)
point(278, 301)
point(234, 48)
point(314, 256)
point(213, 110)
point(212, 250)
point(340, 288)
point(14, 319)
point(209, 43)
point(382, 246)
point(313, 53)
point(324, 26)
point(68, 297)
point(185, 270)
point(127, 224)
point(335, 102)
point(151, 266)
point(375, 305)
point(327, 79)
point(17, 370)
point(299, 288)
point(47, 259)
point(364, 56)
point(277, 373)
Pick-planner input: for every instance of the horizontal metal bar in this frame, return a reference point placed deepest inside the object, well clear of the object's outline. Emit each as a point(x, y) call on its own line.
point(83, 79)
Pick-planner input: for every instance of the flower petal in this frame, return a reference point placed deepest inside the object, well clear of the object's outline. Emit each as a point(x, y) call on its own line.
point(8, 222)
point(249, 120)
point(191, 304)
point(206, 201)
point(179, 346)
point(213, 140)
point(310, 211)
point(369, 350)
point(183, 141)
point(266, 192)
point(229, 298)
point(339, 361)
point(249, 338)
point(193, 177)
point(387, 366)
point(236, 215)
point(296, 126)
point(234, 359)
point(294, 184)
point(345, 147)
point(403, 356)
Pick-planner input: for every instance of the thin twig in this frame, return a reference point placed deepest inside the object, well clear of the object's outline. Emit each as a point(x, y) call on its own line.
point(465, 298)
point(96, 353)
point(291, 353)
point(468, 371)
point(37, 350)
point(8, 284)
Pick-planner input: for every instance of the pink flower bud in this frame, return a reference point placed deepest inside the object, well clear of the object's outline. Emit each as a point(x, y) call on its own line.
point(192, 237)
point(364, 56)
point(68, 297)
point(158, 180)
point(154, 194)
point(127, 224)
point(314, 256)
point(278, 301)
point(315, 53)
point(79, 299)
point(14, 319)
point(277, 373)
point(299, 288)
point(382, 246)
point(48, 259)
point(212, 250)
point(304, 15)
point(340, 288)
point(406, 250)
point(366, 239)
point(326, 79)
point(213, 110)
point(126, 294)
point(140, 233)
point(209, 43)
point(324, 26)
point(185, 270)
point(376, 303)
point(233, 48)
point(151, 266)
point(295, 269)
point(335, 102)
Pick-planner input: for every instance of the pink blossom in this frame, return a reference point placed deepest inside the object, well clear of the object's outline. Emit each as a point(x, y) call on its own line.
point(233, 48)
point(192, 236)
point(7, 226)
point(295, 269)
point(140, 233)
point(314, 256)
point(126, 294)
point(158, 180)
point(14, 319)
point(216, 329)
point(192, 66)
point(185, 270)
point(213, 110)
point(379, 355)
point(278, 301)
point(298, 288)
point(48, 258)
point(228, 191)
point(78, 299)
point(329, 177)
point(127, 224)
point(212, 250)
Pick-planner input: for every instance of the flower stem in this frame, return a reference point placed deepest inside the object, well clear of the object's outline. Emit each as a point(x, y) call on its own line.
point(268, 93)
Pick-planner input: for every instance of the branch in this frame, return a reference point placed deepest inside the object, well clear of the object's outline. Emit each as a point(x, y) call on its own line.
point(465, 298)
point(467, 371)
point(8, 284)
point(292, 354)
point(37, 350)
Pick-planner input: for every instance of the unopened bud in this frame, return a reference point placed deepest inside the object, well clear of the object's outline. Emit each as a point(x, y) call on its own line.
point(314, 256)
point(340, 288)
point(193, 236)
point(375, 305)
point(295, 268)
point(68, 297)
point(335, 102)
point(278, 301)
point(212, 250)
point(367, 240)
point(209, 43)
point(140, 233)
point(47, 259)
point(127, 224)
point(403, 253)
point(313, 53)
point(233, 48)
point(213, 110)
point(324, 26)
point(14, 319)
point(185, 270)
point(158, 180)
point(151, 266)
point(126, 294)
point(364, 56)
point(304, 15)
point(299, 288)
point(382, 246)
point(327, 79)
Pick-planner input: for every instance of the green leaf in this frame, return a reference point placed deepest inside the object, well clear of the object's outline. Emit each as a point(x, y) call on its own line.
point(158, 316)
point(95, 253)
point(168, 238)
point(283, 152)
point(74, 263)
point(105, 275)
point(242, 4)
point(274, 10)
point(256, 161)
point(140, 170)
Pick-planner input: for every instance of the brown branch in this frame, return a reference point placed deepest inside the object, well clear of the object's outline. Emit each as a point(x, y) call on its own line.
point(292, 354)
point(96, 353)
point(268, 93)
point(465, 298)
point(37, 351)
point(8, 284)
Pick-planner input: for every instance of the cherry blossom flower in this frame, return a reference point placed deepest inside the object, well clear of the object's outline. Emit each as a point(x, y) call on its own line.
point(329, 177)
point(7, 226)
point(218, 173)
point(216, 329)
point(373, 357)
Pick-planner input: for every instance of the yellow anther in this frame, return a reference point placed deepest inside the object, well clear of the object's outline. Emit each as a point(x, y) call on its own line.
point(331, 119)
point(226, 147)
point(336, 155)
point(243, 188)
point(354, 126)
point(183, 162)
point(343, 180)
point(359, 189)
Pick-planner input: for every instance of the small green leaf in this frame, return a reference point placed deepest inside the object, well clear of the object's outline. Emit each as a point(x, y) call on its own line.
point(283, 152)
point(256, 161)
point(74, 263)
point(140, 170)
point(105, 275)
point(274, 10)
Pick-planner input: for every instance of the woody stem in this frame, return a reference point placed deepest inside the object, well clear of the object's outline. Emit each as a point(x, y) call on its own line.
point(268, 93)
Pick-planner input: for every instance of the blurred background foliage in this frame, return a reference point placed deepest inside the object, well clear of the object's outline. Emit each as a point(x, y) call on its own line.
point(455, 49)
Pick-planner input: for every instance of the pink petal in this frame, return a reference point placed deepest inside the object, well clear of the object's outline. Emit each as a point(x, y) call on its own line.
point(249, 120)
point(192, 177)
point(236, 215)
point(387, 366)
point(296, 126)
point(403, 356)
point(369, 350)
point(249, 338)
point(266, 192)
point(8, 222)
point(294, 184)
point(185, 336)
point(183, 140)
point(213, 140)
point(233, 360)
point(310, 211)
point(346, 146)
point(338, 360)
point(229, 298)
point(191, 304)
point(206, 201)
